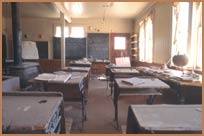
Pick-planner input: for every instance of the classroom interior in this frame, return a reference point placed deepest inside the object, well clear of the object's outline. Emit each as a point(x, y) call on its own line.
point(102, 67)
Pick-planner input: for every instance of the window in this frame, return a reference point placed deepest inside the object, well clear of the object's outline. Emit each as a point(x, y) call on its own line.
point(196, 37)
point(77, 32)
point(119, 43)
point(58, 31)
point(199, 49)
point(180, 28)
point(187, 32)
point(142, 42)
point(146, 40)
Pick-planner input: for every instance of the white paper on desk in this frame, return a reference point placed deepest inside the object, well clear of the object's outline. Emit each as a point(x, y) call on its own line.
point(133, 81)
point(45, 76)
point(61, 78)
point(76, 75)
point(60, 72)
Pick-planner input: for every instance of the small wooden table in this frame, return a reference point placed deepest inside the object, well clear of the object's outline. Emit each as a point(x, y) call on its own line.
point(141, 86)
point(109, 67)
point(32, 112)
point(165, 119)
point(98, 66)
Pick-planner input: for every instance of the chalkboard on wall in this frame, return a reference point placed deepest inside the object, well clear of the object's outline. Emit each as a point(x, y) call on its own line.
point(42, 49)
point(75, 48)
point(98, 45)
point(56, 48)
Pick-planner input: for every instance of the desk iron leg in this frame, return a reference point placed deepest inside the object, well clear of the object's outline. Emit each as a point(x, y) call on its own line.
point(180, 96)
point(116, 95)
point(111, 86)
point(150, 99)
point(83, 108)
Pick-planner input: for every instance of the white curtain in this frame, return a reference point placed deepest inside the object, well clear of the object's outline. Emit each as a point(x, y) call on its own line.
point(142, 42)
point(180, 28)
point(195, 59)
point(146, 40)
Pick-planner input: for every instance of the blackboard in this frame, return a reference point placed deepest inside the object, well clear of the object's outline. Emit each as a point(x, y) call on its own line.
point(75, 48)
point(56, 48)
point(42, 49)
point(98, 45)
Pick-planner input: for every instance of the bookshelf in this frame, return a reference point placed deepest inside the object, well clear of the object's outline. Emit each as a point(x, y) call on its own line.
point(134, 47)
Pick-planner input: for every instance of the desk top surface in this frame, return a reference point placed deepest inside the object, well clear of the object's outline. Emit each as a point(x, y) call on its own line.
point(76, 78)
point(81, 62)
point(169, 117)
point(116, 66)
point(140, 83)
point(28, 112)
point(124, 71)
point(80, 69)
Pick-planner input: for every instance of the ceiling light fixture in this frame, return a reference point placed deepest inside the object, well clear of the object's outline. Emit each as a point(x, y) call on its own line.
point(106, 5)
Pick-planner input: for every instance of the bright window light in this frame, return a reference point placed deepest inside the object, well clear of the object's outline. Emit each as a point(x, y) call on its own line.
point(180, 27)
point(77, 8)
point(119, 43)
point(77, 32)
point(199, 49)
point(58, 31)
point(146, 41)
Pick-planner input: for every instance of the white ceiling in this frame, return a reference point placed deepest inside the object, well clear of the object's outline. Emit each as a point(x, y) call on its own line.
point(117, 10)
point(125, 10)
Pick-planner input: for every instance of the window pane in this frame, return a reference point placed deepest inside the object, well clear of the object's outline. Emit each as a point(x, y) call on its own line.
point(149, 41)
point(146, 41)
point(141, 43)
point(180, 28)
point(119, 43)
point(77, 32)
point(199, 49)
point(58, 31)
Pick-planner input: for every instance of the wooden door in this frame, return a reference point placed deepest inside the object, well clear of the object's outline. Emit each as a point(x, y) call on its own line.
point(115, 38)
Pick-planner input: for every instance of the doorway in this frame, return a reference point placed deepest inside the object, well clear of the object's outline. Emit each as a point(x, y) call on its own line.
point(119, 45)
